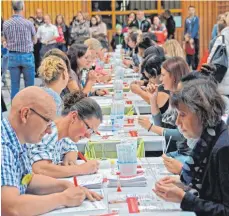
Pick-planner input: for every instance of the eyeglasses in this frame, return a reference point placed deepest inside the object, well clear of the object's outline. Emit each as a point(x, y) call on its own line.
point(89, 129)
point(49, 121)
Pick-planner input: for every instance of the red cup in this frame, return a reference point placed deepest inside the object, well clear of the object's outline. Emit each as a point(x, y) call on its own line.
point(128, 102)
point(130, 121)
point(133, 133)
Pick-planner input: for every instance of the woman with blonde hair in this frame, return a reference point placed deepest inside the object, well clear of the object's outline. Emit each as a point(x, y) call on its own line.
point(55, 75)
point(172, 48)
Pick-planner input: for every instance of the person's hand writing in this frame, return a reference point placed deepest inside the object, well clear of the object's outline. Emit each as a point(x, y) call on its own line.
point(73, 196)
point(90, 167)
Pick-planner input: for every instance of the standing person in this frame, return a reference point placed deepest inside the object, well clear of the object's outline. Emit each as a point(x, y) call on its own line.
point(159, 29)
point(141, 22)
point(101, 26)
point(30, 118)
point(47, 34)
point(220, 19)
point(79, 30)
point(130, 19)
point(223, 86)
point(170, 24)
point(4, 58)
point(62, 40)
point(94, 29)
point(20, 36)
point(39, 20)
point(189, 48)
point(191, 27)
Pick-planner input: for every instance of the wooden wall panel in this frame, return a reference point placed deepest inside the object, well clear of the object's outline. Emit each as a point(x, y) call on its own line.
point(223, 6)
point(65, 7)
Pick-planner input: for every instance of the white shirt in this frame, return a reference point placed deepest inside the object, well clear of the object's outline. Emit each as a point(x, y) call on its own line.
point(47, 32)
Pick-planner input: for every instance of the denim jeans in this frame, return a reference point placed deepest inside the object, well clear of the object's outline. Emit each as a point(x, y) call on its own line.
point(62, 47)
point(5, 59)
point(176, 155)
point(21, 63)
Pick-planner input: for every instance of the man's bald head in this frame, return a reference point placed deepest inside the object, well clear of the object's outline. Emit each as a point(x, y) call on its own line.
point(31, 114)
point(34, 97)
point(39, 13)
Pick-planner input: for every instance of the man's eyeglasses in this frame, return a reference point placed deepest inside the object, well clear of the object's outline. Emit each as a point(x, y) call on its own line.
point(90, 130)
point(41, 116)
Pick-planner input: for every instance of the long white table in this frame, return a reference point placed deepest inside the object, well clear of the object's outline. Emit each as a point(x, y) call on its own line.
point(152, 142)
point(123, 208)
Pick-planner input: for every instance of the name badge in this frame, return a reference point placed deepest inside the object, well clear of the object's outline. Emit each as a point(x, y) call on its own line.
point(26, 179)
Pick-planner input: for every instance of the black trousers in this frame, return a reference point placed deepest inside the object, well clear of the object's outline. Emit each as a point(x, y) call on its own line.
point(37, 48)
point(196, 56)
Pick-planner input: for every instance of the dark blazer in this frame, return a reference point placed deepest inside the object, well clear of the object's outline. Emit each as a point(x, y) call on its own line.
point(214, 195)
point(171, 27)
point(145, 25)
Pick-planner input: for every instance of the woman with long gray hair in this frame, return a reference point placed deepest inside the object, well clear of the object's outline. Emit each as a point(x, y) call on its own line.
point(200, 108)
point(80, 118)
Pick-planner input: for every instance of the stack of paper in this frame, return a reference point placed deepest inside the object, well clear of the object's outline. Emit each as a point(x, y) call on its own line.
point(94, 181)
point(129, 181)
point(84, 207)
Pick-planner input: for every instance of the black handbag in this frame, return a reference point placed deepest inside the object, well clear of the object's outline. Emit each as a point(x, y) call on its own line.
point(220, 60)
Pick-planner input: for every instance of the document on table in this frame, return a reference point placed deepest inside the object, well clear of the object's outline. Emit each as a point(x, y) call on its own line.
point(93, 181)
point(146, 202)
point(86, 206)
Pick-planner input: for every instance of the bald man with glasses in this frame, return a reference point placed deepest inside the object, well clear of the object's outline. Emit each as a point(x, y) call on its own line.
point(23, 192)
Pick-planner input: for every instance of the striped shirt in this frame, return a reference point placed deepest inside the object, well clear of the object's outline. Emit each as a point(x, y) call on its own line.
point(50, 148)
point(15, 163)
point(19, 33)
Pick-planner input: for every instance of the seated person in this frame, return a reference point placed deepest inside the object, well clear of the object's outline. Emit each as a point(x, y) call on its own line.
point(80, 60)
point(152, 71)
point(200, 108)
point(172, 71)
point(207, 71)
point(55, 75)
point(118, 38)
point(80, 118)
point(73, 84)
point(22, 191)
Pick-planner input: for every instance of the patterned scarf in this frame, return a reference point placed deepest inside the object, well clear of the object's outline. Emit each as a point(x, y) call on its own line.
point(194, 168)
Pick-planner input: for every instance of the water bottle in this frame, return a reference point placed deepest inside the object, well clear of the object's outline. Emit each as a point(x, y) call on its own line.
point(118, 89)
point(119, 73)
point(117, 115)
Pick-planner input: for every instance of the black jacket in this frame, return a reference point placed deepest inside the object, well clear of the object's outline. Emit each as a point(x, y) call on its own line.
point(145, 25)
point(214, 195)
point(171, 27)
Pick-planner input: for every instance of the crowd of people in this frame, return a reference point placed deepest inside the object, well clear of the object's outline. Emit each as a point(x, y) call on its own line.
point(45, 123)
